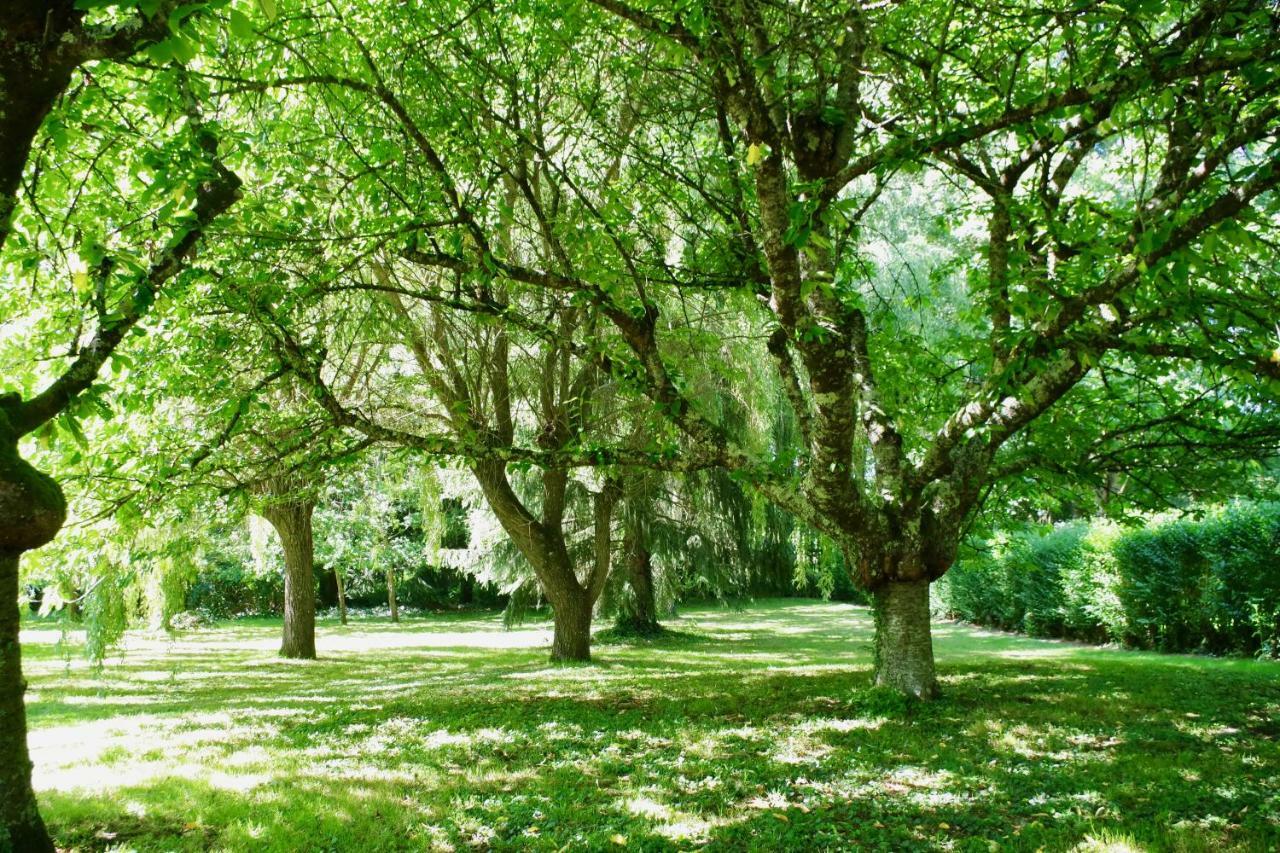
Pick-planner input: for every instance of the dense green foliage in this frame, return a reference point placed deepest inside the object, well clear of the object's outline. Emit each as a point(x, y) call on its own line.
point(604, 306)
point(750, 730)
point(1208, 583)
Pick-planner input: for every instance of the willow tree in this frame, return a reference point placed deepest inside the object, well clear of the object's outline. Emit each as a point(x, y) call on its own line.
point(113, 152)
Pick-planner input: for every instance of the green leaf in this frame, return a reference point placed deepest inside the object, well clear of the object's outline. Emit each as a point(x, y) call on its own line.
point(240, 25)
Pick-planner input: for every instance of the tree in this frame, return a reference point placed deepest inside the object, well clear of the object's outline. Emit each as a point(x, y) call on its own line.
point(120, 284)
point(288, 503)
point(823, 109)
point(480, 395)
point(723, 170)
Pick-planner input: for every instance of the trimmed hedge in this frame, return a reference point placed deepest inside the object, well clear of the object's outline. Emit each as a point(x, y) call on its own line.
point(1210, 585)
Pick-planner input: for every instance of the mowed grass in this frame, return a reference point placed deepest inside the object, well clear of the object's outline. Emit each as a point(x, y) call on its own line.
point(755, 729)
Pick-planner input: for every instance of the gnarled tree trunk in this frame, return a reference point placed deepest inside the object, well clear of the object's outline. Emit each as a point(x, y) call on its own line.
point(292, 522)
point(32, 510)
point(903, 641)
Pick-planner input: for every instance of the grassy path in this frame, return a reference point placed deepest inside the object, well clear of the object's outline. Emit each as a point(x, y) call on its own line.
point(757, 732)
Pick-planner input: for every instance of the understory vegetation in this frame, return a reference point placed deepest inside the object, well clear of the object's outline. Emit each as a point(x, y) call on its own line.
point(1209, 583)
point(748, 728)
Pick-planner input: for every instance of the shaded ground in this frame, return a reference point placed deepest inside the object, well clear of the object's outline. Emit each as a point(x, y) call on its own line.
point(757, 733)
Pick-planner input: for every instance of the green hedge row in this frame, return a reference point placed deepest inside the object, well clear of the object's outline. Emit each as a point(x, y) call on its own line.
point(1211, 584)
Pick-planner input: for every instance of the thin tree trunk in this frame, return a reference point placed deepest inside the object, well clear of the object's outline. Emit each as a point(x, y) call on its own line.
point(293, 523)
point(342, 594)
point(903, 642)
point(391, 595)
point(571, 640)
point(20, 825)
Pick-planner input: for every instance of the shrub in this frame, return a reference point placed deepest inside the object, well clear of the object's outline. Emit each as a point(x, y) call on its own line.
point(1242, 544)
point(1036, 577)
point(974, 590)
point(1093, 610)
point(1176, 584)
point(1163, 573)
point(227, 589)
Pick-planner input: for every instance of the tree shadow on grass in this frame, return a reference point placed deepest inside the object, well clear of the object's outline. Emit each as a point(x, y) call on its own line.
point(756, 739)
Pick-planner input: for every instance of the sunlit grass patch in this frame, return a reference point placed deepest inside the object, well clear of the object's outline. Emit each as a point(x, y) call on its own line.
point(761, 733)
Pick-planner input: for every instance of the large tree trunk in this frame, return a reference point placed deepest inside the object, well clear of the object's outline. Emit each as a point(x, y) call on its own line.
point(32, 510)
point(571, 640)
point(903, 642)
point(20, 825)
point(293, 522)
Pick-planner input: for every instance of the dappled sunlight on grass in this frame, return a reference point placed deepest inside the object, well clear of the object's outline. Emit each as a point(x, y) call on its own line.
point(752, 729)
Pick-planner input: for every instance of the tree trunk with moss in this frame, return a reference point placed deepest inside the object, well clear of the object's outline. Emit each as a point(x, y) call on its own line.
point(292, 521)
point(903, 640)
point(32, 510)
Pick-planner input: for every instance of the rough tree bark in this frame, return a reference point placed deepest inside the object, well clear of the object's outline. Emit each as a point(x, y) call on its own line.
point(571, 636)
point(903, 641)
point(292, 522)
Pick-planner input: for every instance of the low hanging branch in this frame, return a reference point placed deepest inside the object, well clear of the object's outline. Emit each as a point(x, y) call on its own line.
point(217, 190)
point(292, 353)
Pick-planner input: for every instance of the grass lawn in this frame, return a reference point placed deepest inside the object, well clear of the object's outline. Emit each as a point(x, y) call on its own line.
point(756, 732)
